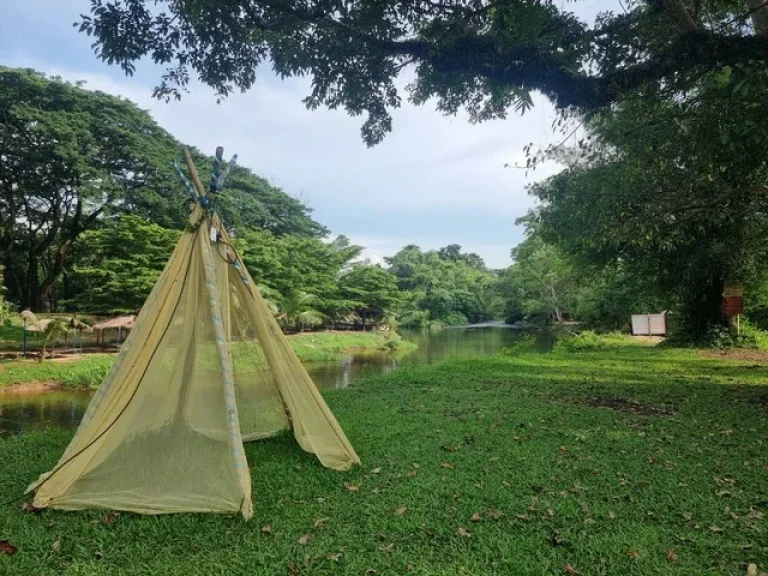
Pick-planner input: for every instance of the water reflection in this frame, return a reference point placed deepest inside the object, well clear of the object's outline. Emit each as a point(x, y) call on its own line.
point(432, 347)
point(22, 412)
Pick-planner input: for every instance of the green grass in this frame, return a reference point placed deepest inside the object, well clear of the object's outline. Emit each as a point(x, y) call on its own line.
point(11, 337)
point(672, 479)
point(85, 372)
point(91, 369)
point(319, 346)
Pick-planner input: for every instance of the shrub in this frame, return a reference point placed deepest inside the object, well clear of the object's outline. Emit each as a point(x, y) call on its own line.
point(523, 345)
point(455, 319)
point(589, 340)
point(721, 337)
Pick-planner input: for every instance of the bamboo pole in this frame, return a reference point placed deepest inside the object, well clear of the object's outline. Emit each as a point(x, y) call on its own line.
point(193, 172)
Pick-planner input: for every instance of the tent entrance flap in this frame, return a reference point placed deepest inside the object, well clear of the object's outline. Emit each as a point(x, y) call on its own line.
point(205, 368)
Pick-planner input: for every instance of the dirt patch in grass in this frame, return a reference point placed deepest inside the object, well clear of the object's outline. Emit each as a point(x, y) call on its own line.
point(760, 357)
point(649, 339)
point(30, 388)
point(625, 405)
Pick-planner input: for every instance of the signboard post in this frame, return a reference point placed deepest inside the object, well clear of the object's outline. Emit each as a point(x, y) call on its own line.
point(733, 296)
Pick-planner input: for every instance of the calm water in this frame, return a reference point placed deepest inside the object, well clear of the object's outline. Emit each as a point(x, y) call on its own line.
point(20, 412)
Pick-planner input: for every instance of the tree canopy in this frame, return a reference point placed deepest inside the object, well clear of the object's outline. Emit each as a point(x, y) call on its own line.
point(443, 286)
point(484, 56)
point(70, 158)
point(115, 266)
point(670, 189)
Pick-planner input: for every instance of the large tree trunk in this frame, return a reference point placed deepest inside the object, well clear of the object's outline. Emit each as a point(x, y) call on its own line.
point(759, 14)
point(558, 313)
point(704, 308)
point(31, 298)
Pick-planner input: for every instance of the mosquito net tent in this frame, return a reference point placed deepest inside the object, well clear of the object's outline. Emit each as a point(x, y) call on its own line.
point(205, 368)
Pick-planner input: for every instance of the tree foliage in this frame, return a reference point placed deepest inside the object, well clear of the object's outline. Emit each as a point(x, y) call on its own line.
point(672, 191)
point(68, 158)
point(443, 286)
point(293, 264)
point(370, 292)
point(116, 266)
point(484, 56)
point(71, 158)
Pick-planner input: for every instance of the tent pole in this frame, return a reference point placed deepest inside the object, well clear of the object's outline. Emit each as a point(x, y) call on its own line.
point(193, 171)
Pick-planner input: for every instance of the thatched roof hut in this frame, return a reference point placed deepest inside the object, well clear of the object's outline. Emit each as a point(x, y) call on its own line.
point(119, 322)
point(71, 324)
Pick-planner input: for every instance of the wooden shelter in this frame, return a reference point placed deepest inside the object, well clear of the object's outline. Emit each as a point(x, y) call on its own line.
point(122, 324)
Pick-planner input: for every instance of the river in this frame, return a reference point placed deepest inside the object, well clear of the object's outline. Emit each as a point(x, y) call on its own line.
point(20, 412)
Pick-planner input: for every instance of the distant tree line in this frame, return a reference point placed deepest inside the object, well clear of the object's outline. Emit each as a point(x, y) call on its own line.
point(644, 218)
point(90, 210)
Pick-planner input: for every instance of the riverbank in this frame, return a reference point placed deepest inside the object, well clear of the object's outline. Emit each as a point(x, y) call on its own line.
point(87, 371)
point(634, 460)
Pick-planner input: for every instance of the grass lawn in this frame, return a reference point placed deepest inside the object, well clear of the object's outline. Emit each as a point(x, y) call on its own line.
point(86, 371)
point(320, 346)
point(625, 461)
point(90, 369)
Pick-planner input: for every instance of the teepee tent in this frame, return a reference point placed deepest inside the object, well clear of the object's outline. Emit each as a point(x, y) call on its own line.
point(205, 368)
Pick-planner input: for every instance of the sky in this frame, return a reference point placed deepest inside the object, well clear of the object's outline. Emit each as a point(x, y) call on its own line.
point(434, 181)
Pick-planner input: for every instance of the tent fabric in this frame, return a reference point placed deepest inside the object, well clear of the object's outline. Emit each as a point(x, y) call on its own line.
point(205, 368)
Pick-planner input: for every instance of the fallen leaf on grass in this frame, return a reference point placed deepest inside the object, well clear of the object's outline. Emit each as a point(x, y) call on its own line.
point(688, 516)
point(6, 547)
point(556, 538)
point(376, 471)
point(320, 522)
point(386, 547)
point(754, 513)
point(752, 570)
point(411, 474)
point(410, 568)
point(292, 568)
point(495, 514)
point(351, 487)
point(306, 538)
point(447, 465)
point(416, 465)
point(523, 517)
point(449, 448)
point(111, 518)
point(632, 554)
point(475, 517)
point(571, 571)
point(715, 529)
point(56, 547)
point(267, 529)
point(612, 515)
point(333, 556)
point(671, 555)
point(400, 511)
point(463, 532)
